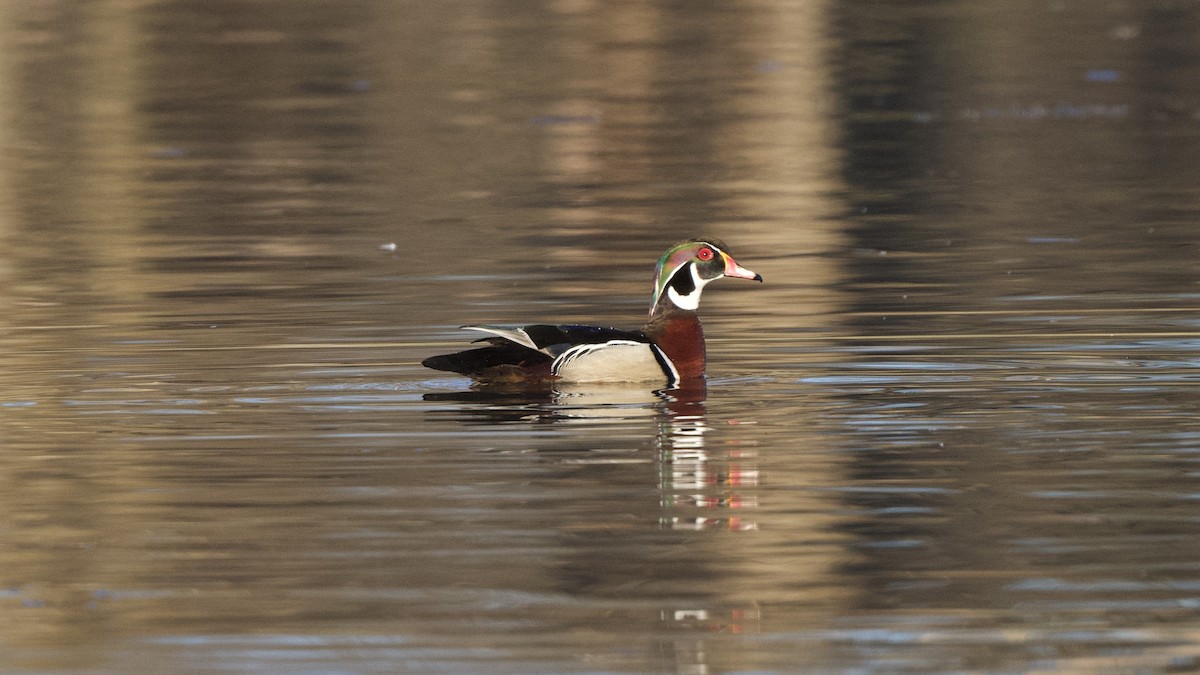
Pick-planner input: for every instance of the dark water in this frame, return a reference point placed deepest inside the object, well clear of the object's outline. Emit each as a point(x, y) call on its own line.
point(957, 429)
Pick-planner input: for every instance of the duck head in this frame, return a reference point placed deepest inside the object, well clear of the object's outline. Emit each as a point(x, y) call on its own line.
point(686, 268)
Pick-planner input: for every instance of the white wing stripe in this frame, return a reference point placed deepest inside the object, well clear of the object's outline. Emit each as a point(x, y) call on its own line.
point(664, 360)
point(517, 335)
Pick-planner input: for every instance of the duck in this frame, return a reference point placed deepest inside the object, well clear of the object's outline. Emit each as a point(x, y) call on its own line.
point(668, 349)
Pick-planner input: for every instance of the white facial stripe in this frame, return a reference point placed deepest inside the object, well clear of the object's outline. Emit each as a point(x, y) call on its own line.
point(691, 301)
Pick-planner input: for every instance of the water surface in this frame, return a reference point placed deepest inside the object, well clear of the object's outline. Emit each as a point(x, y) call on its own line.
point(956, 429)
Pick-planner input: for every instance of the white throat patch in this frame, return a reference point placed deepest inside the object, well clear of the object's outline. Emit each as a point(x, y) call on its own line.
point(691, 301)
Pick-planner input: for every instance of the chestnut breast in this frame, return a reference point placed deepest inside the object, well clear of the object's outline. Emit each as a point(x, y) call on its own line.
point(679, 335)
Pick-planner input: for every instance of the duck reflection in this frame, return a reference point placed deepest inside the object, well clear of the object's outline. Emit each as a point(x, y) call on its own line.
point(564, 402)
point(700, 488)
point(646, 473)
point(544, 402)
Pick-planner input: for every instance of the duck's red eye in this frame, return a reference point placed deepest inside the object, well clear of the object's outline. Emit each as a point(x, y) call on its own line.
point(705, 254)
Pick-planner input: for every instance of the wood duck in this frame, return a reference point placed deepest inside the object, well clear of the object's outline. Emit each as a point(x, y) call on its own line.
point(669, 347)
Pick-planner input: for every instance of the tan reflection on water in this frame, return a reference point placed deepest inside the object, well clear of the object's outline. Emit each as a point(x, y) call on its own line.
point(956, 426)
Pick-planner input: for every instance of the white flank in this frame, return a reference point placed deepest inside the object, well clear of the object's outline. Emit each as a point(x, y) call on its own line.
point(613, 361)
